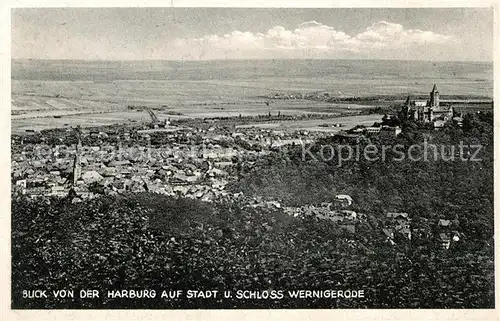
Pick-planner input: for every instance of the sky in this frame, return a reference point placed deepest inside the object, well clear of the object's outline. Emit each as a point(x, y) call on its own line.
point(451, 34)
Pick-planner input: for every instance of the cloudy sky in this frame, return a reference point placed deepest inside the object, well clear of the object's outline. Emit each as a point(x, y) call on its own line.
point(233, 33)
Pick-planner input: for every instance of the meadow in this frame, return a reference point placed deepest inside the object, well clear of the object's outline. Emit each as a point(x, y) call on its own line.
point(93, 93)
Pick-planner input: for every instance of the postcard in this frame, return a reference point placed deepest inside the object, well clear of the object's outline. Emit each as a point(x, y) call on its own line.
point(270, 158)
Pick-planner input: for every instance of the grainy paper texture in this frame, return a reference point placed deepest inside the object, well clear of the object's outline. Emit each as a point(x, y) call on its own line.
point(274, 160)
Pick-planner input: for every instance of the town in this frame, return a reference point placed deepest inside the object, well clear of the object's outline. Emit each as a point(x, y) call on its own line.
point(197, 162)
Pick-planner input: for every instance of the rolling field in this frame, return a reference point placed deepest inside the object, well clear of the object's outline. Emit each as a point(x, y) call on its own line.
point(98, 93)
point(315, 124)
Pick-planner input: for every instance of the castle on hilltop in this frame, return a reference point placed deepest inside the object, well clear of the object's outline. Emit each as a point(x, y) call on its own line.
point(427, 111)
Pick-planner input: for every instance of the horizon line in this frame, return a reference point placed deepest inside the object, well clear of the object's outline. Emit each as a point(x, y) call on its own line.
point(243, 59)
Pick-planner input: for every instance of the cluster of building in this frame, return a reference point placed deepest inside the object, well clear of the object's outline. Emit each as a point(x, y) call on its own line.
point(446, 233)
point(338, 211)
point(429, 111)
point(397, 225)
point(193, 164)
point(398, 229)
point(389, 127)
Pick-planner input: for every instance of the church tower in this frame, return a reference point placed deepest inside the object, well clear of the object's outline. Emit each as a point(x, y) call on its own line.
point(406, 109)
point(77, 170)
point(434, 97)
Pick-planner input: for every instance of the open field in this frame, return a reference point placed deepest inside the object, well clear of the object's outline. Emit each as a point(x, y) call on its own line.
point(71, 112)
point(98, 93)
point(35, 103)
point(315, 124)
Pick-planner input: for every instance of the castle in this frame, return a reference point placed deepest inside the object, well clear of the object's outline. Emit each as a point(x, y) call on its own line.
point(427, 111)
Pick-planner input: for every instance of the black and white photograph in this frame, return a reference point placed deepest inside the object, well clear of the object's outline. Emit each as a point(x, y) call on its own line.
point(178, 158)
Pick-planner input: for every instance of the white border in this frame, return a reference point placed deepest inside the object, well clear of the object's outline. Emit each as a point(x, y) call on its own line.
point(374, 314)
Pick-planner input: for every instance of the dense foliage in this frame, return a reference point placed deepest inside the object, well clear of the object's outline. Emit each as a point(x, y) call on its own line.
point(445, 187)
point(130, 243)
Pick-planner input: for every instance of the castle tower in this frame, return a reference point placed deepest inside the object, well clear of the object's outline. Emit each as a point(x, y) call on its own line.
point(77, 170)
point(434, 97)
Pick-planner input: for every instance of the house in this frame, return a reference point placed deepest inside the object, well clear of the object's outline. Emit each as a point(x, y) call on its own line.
point(37, 191)
point(400, 222)
point(22, 183)
point(350, 215)
point(373, 130)
point(389, 233)
point(223, 164)
point(116, 163)
point(444, 240)
point(326, 205)
point(421, 232)
point(55, 173)
point(390, 131)
point(438, 124)
point(94, 133)
point(335, 218)
point(406, 232)
point(400, 218)
point(90, 177)
point(208, 197)
point(125, 173)
point(59, 191)
point(108, 171)
point(395, 215)
point(360, 129)
point(343, 200)
point(183, 179)
point(444, 223)
point(346, 138)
